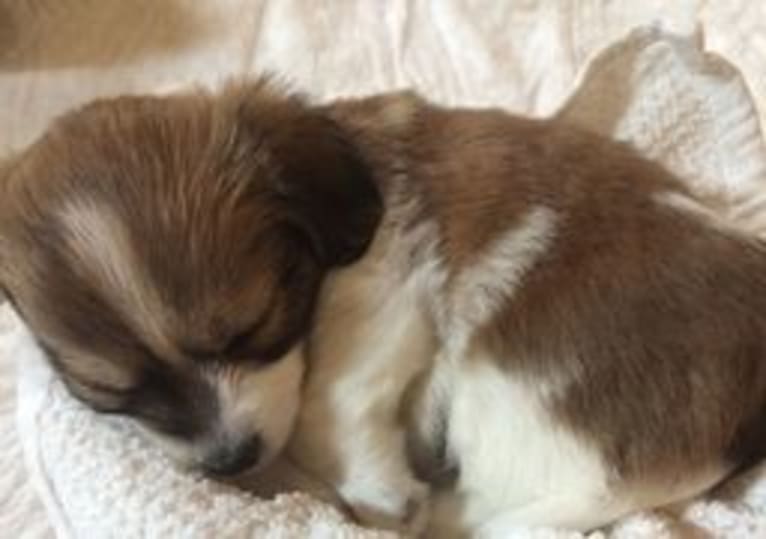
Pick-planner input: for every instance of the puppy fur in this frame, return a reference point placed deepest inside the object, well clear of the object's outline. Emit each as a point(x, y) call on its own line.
point(597, 334)
point(551, 328)
point(167, 253)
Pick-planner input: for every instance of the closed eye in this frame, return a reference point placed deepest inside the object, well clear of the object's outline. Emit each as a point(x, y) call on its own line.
point(235, 346)
point(239, 344)
point(102, 398)
point(246, 346)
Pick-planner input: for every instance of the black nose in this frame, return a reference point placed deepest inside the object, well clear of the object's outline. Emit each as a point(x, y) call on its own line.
point(234, 458)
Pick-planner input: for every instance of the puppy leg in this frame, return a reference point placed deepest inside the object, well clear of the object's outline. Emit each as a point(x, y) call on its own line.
point(349, 431)
point(361, 454)
point(379, 486)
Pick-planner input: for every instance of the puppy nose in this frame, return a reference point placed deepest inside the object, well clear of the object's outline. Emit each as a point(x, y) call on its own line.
point(233, 459)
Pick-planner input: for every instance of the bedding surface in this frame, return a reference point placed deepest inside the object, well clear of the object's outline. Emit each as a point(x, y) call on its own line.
point(685, 81)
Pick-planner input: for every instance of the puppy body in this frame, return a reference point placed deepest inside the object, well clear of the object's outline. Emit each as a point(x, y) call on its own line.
point(592, 339)
point(550, 327)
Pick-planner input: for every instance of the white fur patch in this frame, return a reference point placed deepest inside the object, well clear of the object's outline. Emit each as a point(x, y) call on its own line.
point(371, 338)
point(262, 401)
point(103, 249)
point(520, 467)
point(513, 454)
point(481, 290)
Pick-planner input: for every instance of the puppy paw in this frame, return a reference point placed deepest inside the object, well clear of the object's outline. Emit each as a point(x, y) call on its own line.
point(403, 508)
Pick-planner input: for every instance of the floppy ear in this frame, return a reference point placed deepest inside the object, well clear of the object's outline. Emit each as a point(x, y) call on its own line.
point(326, 188)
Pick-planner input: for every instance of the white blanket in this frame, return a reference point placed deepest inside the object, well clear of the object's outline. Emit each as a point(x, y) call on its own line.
point(690, 110)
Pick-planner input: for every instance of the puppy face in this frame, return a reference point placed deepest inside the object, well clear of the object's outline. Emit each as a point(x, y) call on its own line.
point(167, 253)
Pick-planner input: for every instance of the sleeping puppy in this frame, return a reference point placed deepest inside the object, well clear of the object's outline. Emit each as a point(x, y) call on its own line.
point(167, 253)
point(538, 321)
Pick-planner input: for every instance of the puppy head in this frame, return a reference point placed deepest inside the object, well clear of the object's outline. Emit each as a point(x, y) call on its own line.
point(167, 252)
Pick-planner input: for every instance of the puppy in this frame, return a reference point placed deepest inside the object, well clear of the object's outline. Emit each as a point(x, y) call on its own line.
point(538, 321)
point(167, 253)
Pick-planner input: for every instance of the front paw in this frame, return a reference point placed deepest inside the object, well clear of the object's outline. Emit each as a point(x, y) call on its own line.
point(403, 508)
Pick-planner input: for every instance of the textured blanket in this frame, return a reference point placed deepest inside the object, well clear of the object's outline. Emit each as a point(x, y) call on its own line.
point(693, 111)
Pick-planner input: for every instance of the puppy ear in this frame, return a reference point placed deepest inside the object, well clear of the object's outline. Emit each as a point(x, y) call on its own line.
point(325, 186)
point(329, 187)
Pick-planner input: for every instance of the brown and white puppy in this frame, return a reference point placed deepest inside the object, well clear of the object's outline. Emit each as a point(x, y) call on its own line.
point(585, 339)
point(167, 253)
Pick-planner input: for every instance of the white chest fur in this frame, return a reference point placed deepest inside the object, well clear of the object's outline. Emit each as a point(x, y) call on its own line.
point(370, 340)
point(517, 465)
